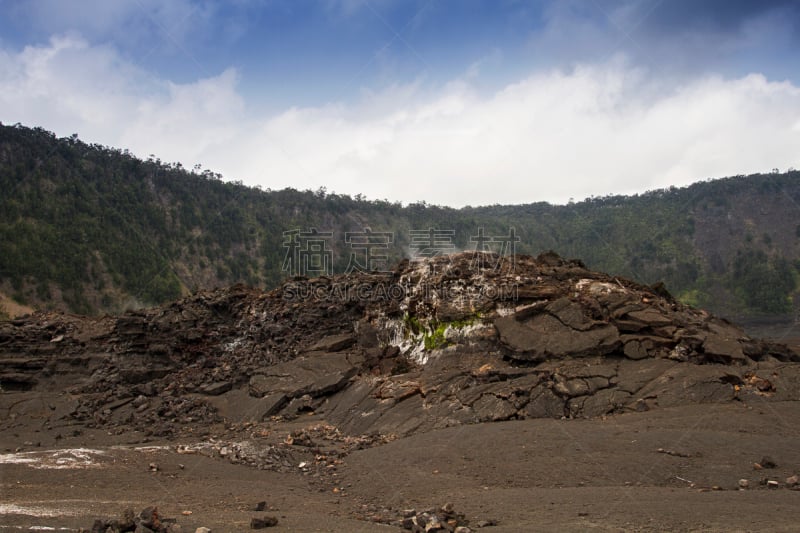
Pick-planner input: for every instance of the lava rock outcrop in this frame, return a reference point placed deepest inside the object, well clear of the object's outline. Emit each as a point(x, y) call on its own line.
point(450, 340)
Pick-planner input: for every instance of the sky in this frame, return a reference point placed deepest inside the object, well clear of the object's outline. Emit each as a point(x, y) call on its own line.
point(451, 102)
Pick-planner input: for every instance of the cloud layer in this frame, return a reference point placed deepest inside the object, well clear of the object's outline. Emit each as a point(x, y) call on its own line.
point(552, 135)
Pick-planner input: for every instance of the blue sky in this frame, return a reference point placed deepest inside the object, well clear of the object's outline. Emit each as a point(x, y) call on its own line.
point(410, 100)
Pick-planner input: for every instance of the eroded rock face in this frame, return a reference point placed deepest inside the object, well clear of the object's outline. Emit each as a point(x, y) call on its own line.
point(546, 337)
point(450, 340)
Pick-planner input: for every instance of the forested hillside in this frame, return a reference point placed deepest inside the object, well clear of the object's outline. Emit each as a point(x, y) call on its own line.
point(91, 229)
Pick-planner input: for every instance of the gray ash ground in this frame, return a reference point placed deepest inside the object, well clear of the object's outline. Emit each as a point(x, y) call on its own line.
point(304, 384)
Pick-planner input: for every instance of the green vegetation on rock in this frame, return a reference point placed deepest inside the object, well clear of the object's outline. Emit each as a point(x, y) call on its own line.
point(434, 338)
point(433, 332)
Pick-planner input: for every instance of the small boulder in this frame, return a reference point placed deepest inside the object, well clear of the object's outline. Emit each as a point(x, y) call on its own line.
point(768, 462)
point(333, 343)
point(261, 523)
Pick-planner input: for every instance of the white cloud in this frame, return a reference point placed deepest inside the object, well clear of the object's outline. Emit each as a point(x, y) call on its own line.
point(69, 87)
point(594, 130)
point(551, 136)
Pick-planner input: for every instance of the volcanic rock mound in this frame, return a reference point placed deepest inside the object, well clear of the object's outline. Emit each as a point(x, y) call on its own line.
point(450, 340)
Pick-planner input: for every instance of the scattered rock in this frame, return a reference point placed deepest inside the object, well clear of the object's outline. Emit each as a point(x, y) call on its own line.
point(333, 343)
point(261, 523)
point(444, 519)
point(674, 453)
point(767, 462)
point(148, 520)
point(216, 388)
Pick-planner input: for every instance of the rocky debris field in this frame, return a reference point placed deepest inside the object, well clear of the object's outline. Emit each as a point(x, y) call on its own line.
point(446, 342)
point(148, 520)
